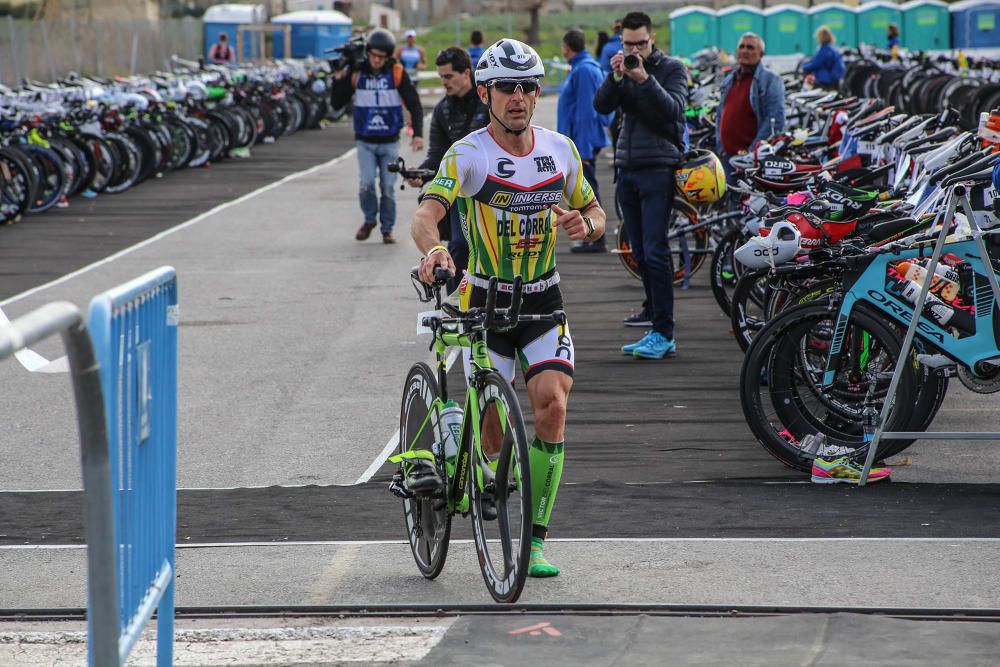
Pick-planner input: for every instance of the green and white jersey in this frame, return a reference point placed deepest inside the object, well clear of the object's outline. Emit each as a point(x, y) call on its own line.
point(503, 199)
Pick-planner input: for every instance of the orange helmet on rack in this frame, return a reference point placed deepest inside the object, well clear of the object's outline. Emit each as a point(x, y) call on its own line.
point(701, 178)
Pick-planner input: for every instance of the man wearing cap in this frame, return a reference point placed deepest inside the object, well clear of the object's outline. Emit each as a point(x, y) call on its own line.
point(411, 56)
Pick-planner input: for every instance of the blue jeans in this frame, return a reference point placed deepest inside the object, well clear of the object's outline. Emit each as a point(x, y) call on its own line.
point(647, 198)
point(374, 160)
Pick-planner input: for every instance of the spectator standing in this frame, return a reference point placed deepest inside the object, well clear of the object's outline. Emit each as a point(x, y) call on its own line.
point(459, 113)
point(610, 48)
point(577, 118)
point(827, 66)
point(381, 88)
point(476, 47)
point(410, 54)
point(602, 40)
point(752, 102)
point(650, 93)
point(221, 53)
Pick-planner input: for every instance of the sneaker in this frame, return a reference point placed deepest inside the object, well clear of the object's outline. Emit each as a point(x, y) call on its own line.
point(630, 348)
point(589, 247)
point(844, 469)
point(638, 320)
point(364, 231)
point(387, 237)
point(656, 346)
point(423, 479)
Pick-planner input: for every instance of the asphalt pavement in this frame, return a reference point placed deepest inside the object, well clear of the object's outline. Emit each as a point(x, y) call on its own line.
point(294, 342)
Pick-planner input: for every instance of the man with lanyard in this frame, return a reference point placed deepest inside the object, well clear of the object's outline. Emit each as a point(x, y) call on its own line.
point(507, 181)
point(380, 88)
point(460, 112)
point(751, 105)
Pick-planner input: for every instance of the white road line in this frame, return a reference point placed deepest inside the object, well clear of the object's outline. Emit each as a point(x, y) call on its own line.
point(955, 541)
point(394, 440)
point(177, 228)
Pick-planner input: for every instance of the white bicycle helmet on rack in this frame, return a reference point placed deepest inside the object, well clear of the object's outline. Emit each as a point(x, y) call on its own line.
point(779, 246)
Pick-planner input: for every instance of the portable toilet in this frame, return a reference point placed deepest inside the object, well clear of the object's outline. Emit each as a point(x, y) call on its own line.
point(313, 32)
point(841, 21)
point(693, 29)
point(873, 22)
point(926, 25)
point(975, 24)
point(736, 20)
point(220, 19)
point(786, 30)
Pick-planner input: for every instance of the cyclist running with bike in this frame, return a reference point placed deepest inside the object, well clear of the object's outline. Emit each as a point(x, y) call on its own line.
point(507, 181)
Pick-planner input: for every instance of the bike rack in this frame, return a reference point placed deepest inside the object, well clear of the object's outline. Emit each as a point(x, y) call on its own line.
point(958, 194)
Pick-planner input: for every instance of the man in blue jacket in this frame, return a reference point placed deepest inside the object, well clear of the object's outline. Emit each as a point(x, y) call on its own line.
point(577, 119)
point(650, 92)
point(752, 103)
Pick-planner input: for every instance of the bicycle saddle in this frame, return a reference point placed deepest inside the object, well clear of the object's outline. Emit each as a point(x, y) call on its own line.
point(889, 230)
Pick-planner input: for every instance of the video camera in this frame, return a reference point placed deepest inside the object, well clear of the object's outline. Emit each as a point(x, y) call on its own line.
point(351, 54)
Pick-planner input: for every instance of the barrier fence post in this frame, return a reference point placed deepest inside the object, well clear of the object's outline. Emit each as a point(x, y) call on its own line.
point(134, 332)
point(65, 319)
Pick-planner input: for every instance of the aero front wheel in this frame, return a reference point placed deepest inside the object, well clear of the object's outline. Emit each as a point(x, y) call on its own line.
point(501, 490)
point(428, 522)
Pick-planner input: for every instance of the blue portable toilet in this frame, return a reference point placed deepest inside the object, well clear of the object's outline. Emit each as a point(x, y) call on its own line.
point(786, 30)
point(841, 20)
point(873, 22)
point(926, 25)
point(312, 32)
point(220, 19)
point(975, 24)
point(736, 20)
point(693, 29)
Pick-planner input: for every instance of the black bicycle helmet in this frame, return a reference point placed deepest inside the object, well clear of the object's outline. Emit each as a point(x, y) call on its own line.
point(381, 39)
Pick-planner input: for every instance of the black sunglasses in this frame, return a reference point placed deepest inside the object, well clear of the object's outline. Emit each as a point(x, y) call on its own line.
point(509, 86)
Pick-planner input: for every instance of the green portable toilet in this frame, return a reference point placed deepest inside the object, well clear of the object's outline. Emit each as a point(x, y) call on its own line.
point(926, 25)
point(693, 29)
point(786, 30)
point(736, 20)
point(873, 22)
point(841, 21)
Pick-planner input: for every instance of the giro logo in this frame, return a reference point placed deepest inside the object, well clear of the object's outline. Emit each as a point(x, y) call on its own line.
point(504, 168)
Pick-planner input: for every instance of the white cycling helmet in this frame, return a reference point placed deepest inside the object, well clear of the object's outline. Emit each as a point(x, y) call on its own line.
point(509, 59)
point(778, 247)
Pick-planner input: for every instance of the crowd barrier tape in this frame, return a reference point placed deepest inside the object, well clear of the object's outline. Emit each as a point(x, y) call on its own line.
point(65, 319)
point(134, 332)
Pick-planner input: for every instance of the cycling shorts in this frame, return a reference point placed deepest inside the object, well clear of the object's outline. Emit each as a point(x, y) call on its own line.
point(535, 346)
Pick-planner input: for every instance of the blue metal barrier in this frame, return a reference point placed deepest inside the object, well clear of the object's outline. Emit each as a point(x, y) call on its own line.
point(556, 72)
point(134, 332)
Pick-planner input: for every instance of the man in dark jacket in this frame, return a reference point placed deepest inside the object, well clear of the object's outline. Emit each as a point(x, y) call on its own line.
point(650, 92)
point(380, 87)
point(459, 113)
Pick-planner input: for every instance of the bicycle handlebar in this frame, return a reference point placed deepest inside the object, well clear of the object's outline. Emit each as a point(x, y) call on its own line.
point(399, 167)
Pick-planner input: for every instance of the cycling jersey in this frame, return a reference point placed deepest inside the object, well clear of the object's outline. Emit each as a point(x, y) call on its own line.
point(503, 199)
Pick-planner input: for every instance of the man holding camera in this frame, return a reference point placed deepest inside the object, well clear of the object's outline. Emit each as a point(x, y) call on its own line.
point(380, 88)
point(650, 91)
point(459, 113)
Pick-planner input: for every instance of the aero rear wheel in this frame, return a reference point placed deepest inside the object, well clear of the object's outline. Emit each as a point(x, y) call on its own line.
point(503, 543)
point(688, 247)
point(428, 522)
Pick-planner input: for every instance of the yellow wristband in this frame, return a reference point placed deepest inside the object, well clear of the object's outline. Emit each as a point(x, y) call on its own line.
point(435, 249)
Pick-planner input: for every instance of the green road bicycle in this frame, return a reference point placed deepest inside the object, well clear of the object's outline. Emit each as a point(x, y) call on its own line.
point(479, 467)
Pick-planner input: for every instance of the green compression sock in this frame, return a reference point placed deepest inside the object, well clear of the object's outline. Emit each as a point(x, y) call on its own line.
point(546, 470)
point(538, 566)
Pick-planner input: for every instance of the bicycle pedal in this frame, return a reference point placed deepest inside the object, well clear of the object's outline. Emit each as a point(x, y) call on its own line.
point(397, 489)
